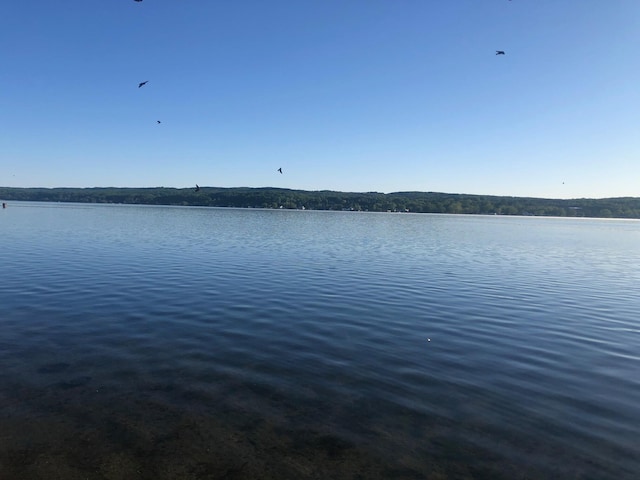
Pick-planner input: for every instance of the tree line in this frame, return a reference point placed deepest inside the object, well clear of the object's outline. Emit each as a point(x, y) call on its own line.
point(416, 202)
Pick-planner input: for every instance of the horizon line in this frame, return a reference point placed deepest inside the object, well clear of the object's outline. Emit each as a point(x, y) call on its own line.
point(328, 190)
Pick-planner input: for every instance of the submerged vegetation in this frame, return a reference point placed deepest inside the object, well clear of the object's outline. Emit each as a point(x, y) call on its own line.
point(417, 202)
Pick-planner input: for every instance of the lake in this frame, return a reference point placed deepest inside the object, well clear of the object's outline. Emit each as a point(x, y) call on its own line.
point(145, 342)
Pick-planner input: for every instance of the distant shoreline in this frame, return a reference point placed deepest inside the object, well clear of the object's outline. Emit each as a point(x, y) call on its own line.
point(409, 202)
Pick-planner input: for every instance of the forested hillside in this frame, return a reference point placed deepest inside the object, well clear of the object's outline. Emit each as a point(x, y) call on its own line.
point(417, 202)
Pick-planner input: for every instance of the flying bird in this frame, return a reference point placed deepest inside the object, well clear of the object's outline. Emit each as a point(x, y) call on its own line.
point(280, 170)
point(137, 0)
point(142, 84)
point(499, 52)
point(197, 188)
point(156, 120)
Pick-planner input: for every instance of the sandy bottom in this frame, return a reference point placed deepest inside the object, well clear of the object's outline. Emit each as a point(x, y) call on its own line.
point(75, 430)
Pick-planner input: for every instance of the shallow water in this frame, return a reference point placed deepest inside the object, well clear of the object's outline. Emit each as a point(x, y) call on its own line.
point(168, 342)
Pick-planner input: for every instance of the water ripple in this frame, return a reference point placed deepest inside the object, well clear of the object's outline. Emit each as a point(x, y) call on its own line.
point(477, 344)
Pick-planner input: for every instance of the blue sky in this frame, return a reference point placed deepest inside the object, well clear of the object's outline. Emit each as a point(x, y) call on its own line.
point(348, 95)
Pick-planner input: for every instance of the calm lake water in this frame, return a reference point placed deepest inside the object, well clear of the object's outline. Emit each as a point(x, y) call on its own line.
point(145, 342)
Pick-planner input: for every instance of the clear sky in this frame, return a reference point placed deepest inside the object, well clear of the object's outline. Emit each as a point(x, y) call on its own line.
point(348, 95)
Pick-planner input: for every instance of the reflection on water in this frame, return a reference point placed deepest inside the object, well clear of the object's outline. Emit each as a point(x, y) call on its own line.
point(164, 342)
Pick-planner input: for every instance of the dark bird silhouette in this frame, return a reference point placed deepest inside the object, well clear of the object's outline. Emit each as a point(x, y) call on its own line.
point(197, 188)
point(280, 169)
point(499, 52)
point(156, 120)
point(142, 84)
point(137, 0)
